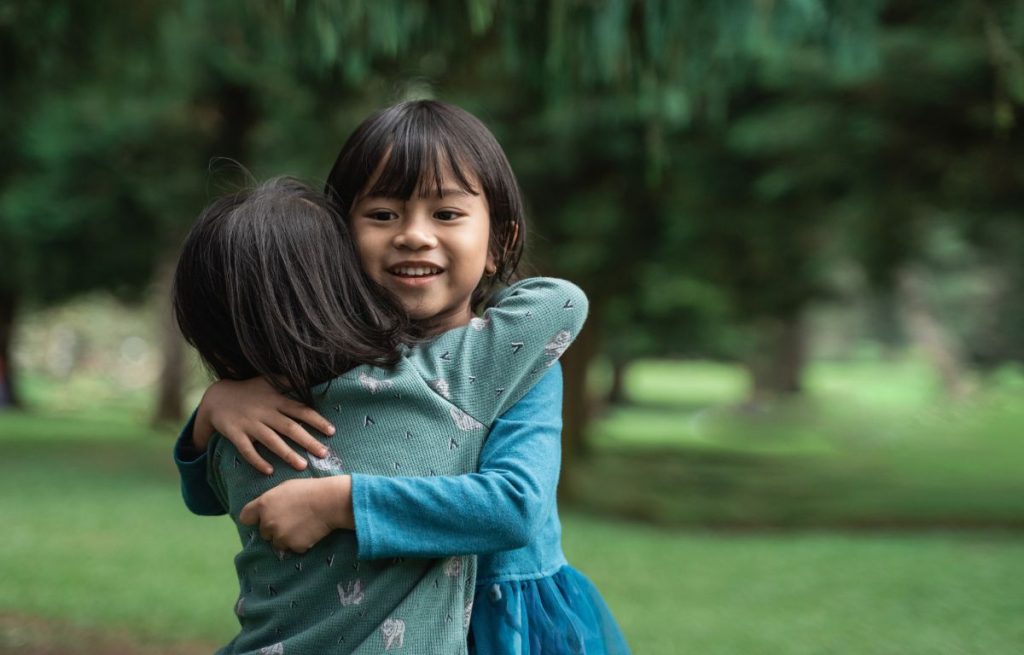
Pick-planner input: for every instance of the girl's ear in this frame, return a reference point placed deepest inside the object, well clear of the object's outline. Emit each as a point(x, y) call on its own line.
point(490, 268)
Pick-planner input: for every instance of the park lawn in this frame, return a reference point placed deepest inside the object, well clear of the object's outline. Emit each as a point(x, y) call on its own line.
point(96, 536)
point(873, 445)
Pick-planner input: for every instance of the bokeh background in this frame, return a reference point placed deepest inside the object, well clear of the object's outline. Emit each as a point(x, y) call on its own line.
point(794, 422)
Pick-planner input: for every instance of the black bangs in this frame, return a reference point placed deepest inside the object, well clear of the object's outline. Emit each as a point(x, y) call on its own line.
point(416, 159)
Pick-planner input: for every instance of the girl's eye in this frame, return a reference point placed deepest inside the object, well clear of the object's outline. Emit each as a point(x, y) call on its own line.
point(446, 215)
point(381, 215)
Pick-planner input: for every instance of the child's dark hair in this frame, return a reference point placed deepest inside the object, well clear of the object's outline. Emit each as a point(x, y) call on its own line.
point(407, 147)
point(269, 284)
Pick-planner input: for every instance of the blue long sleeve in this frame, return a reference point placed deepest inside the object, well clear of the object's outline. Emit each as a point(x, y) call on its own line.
point(196, 491)
point(496, 509)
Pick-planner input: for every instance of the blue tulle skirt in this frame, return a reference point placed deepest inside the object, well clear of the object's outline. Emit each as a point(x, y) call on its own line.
point(551, 615)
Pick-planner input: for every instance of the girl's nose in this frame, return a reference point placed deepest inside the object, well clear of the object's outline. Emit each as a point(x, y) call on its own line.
point(415, 234)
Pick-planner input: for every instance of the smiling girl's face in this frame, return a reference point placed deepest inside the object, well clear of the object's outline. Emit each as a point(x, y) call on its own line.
point(430, 250)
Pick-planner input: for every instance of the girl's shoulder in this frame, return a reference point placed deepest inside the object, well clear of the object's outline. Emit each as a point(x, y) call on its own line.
point(538, 307)
point(542, 290)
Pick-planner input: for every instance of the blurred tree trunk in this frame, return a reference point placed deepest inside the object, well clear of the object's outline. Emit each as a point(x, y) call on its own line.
point(236, 107)
point(8, 394)
point(777, 365)
point(576, 411)
point(617, 391)
point(169, 396)
point(927, 333)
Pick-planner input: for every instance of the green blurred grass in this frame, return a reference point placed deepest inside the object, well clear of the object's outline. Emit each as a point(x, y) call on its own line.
point(872, 445)
point(96, 534)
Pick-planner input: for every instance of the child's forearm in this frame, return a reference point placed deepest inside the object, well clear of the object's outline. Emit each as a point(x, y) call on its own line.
point(501, 507)
point(333, 501)
point(475, 513)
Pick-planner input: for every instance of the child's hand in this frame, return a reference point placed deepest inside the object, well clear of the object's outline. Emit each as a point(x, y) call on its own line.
point(253, 411)
point(297, 514)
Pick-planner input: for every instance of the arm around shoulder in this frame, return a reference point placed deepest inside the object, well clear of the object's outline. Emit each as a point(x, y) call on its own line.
point(501, 507)
point(487, 366)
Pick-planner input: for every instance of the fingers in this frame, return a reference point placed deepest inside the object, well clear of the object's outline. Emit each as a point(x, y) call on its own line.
point(269, 530)
point(250, 514)
point(273, 441)
point(286, 544)
point(309, 416)
point(248, 452)
point(298, 434)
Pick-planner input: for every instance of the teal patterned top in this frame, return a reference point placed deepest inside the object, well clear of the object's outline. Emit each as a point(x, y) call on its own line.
point(428, 415)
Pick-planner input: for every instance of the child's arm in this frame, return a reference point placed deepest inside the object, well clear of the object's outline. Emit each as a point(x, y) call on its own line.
point(244, 412)
point(191, 462)
point(501, 507)
point(483, 368)
point(486, 367)
point(498, 508)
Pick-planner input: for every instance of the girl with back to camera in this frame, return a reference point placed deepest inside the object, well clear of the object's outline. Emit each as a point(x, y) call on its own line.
point(268, 284)
point(405, 179)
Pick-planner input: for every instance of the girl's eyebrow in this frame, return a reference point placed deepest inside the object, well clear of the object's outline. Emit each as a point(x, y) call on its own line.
point(451, 191)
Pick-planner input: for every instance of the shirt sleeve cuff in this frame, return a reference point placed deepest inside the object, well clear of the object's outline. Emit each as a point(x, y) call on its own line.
point(361, 517)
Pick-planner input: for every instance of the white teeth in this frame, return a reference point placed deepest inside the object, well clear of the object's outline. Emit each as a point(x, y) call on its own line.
point(415, 271)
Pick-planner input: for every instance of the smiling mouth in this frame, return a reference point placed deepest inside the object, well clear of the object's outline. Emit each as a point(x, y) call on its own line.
point(415, 271)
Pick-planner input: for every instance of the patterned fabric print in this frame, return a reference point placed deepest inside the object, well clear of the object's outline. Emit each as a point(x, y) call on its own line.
point(478, 323)
point(276, 649)
point(454, 567)
point(393, 632)
point(373, 384)
point(351, 593)
point(464, 420)
point(329, 462)
point(557, 346)
point(441, 387)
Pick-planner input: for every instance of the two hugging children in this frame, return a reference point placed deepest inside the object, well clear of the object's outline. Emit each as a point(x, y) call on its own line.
point(427, 524)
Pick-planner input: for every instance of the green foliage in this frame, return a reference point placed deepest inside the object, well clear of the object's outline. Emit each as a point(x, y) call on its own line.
point(722, 156)
point(112, 155)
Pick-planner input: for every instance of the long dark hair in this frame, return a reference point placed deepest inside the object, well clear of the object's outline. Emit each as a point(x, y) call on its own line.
point(413, 143)
point(269, 284)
